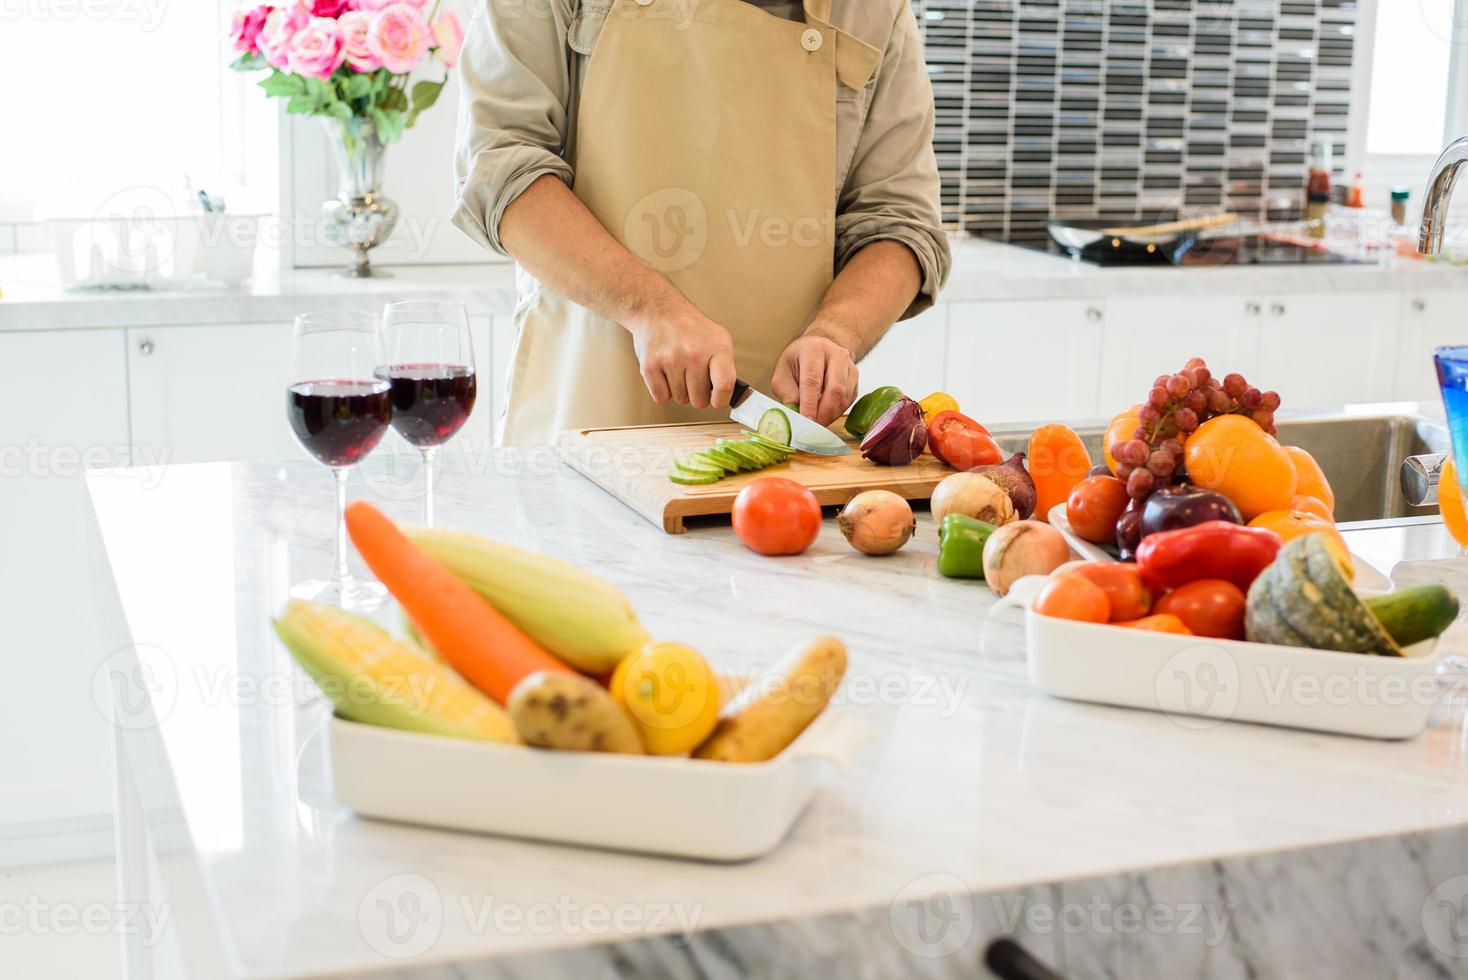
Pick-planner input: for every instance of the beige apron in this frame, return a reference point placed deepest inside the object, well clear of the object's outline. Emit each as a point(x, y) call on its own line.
point(706, 145)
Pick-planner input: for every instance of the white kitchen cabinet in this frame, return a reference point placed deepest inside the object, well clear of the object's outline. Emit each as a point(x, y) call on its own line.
point(1147, 336)
point(1324, 350)
point(1025, 361)
point(911, 356)
point(210, 393)
point(66, 391)
point(1438, 318)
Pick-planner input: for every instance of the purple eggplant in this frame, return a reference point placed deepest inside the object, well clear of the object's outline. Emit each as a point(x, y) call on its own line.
point(1170, 508)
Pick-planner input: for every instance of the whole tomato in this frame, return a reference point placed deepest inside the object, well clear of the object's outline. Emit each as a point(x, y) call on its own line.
point(961, 442)
point(1208, 607)
point(1130, 598)
point(1070, 596)
point(1094, 506)
point(776, 516)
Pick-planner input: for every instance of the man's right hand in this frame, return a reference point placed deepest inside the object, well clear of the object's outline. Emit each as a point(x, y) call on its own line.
point(685, 357)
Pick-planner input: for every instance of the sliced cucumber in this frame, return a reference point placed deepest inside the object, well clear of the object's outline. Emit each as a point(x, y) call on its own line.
point(728, 461)
point(764, 443)
point(753, 458)
point(693, 465)
point(774, 425)
point(707, 458)
point(682, 476)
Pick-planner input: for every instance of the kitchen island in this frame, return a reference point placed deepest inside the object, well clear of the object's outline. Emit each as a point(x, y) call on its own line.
point(1107, 842)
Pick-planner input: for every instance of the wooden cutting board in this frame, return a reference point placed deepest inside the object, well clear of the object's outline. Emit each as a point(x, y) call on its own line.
point(632, 464)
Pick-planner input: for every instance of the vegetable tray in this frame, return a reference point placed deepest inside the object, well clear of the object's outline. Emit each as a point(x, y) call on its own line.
point(1200, 681)
point(691, 808)
point(632, 464)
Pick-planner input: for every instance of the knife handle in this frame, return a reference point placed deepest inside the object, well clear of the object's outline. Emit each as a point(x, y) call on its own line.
point(737, 395)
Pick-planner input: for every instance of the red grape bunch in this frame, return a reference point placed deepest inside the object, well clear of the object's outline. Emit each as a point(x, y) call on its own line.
point(1176, 405)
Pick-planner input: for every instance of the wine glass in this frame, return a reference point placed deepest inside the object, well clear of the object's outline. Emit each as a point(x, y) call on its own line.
point(338, 411)
point(430, 367)
point(1452, 378)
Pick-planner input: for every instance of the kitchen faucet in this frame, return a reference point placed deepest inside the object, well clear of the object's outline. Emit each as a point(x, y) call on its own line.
point(1439, 193)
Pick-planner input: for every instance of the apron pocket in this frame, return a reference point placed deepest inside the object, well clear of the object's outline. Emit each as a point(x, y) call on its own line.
point(586, 26)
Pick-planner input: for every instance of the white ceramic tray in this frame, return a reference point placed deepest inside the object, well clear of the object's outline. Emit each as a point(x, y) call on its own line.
point(1367, 576)
point(684, 807)
point(1201, 682)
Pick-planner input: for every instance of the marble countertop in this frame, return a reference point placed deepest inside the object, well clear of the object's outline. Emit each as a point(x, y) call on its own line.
point(983, 271)
point(973, 782)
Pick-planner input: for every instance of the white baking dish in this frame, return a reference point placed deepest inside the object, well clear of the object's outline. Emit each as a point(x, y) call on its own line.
point(684, 807)
point(1201, 681)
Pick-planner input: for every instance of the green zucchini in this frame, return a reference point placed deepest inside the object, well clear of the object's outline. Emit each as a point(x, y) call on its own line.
point(1415, 614)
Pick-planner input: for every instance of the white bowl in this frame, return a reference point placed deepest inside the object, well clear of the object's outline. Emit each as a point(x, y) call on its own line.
point(684, 807)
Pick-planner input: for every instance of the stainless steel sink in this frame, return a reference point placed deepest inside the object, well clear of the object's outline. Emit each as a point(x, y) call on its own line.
point(1361, 456)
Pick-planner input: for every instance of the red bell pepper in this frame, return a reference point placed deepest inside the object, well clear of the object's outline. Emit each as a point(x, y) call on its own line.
point(1213, 549)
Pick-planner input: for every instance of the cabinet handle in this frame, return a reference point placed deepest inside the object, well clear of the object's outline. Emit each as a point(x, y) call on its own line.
point(145, 347)
point(1251, 308)
point(1278, 309)
point(1093, 313)
point(1419, 306)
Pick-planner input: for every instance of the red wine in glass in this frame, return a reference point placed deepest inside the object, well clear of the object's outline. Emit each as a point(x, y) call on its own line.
point(339, 421)
point(430, 402)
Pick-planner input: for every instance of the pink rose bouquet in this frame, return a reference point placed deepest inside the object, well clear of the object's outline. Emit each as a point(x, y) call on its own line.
point(348, 59)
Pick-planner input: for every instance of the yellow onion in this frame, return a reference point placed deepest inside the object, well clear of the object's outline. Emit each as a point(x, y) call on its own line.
point(877, 522)
point(974, 496)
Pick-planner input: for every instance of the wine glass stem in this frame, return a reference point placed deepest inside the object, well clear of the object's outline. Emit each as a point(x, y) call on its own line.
point(340, 575)
point(428, 454)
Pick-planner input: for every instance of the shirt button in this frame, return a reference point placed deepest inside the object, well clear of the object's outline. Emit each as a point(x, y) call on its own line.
point(643, 3)
point(811, 39)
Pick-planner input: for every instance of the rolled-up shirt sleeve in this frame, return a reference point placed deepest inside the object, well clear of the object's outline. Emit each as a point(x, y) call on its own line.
point(891, 190)
point(515, 86)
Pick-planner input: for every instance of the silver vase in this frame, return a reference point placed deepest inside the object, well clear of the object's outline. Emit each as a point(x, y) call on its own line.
point(360, 218)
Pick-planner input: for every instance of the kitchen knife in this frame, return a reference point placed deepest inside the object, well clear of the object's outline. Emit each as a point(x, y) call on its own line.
point(748, 406)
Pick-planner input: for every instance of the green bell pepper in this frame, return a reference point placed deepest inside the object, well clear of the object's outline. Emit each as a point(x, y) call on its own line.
point(868, 408)
point(961, 542)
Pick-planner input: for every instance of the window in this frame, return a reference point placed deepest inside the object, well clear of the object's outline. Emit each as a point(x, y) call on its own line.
point(115, 98)
point(1411, 54)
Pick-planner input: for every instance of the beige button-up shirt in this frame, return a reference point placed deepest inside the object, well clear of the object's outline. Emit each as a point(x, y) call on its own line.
point(521, 72)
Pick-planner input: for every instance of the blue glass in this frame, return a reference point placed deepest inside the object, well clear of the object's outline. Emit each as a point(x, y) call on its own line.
point(1452, 378)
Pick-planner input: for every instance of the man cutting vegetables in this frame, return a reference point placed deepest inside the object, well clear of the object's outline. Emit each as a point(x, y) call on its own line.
point(694, 191)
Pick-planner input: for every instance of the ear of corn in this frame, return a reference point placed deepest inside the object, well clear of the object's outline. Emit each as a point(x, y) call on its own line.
point(375, 679)
point(572, 613)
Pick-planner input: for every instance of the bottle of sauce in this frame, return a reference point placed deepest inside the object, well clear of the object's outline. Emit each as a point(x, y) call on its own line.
point(1317, 189)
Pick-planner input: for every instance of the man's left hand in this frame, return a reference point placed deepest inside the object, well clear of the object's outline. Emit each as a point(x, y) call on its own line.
point(817, 371)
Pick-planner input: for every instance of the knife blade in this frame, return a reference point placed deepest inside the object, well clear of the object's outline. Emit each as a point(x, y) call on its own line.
point(748, 406)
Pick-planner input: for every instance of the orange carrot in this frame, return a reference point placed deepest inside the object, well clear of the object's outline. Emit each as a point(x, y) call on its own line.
point(475, 638)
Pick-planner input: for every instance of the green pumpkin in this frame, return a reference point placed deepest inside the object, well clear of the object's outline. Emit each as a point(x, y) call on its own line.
point(1303, 600)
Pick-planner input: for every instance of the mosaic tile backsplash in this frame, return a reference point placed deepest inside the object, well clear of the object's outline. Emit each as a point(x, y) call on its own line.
point(1132, 110)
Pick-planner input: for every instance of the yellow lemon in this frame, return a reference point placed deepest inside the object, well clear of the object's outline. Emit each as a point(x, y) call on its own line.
point(671, 694)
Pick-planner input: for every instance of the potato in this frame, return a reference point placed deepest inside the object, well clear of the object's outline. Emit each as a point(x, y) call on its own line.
point(772, 711)
point(572, 713)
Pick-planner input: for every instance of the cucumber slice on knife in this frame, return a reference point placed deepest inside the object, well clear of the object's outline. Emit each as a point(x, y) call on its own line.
point(774, 425)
